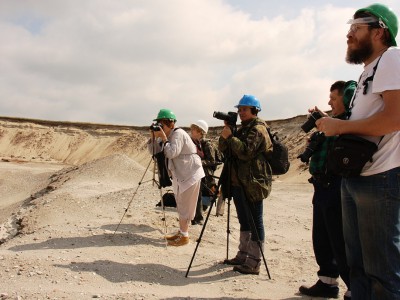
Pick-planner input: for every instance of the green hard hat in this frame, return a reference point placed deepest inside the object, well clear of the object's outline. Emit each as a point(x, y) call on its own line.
point(348, 92)
point(165, 114)
point(387, 16)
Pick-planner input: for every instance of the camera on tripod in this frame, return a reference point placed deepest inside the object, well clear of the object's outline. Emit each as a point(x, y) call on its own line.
point(230, 117)
point(310, 123)
point(316, 139)
point(156, 127)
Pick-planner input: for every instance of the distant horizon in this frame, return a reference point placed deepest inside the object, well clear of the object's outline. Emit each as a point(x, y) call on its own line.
point(55, 122)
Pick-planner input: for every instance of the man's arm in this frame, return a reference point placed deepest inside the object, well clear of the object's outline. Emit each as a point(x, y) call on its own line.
point(381, 123)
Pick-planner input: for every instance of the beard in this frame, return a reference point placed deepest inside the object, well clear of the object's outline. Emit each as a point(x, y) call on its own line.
point(362, 53)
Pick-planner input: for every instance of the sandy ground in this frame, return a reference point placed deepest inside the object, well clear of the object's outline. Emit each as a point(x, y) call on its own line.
point(92, 230)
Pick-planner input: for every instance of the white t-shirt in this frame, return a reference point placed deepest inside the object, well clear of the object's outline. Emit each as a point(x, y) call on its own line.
point(387, 77)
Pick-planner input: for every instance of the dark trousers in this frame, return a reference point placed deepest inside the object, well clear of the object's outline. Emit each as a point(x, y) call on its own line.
point(249, 213)
point(199, 209)
point(327, 233)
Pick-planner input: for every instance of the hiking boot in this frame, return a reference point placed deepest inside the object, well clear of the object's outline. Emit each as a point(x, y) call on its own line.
point(179, 241)
point(252, 263)
point(320, 289)
point(241, 255)
point(236, 261)
point(245, 269)
point(172, 237)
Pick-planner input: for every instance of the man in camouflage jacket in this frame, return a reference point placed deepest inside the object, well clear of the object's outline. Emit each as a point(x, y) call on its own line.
point(247, 178)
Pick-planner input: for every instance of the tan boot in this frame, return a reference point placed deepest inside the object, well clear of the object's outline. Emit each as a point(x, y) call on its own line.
point(179, 241)
point(172, 237)
point(253, 261)
point(241, 255)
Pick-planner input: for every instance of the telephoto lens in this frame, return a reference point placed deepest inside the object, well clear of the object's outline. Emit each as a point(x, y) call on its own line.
point(310, 123)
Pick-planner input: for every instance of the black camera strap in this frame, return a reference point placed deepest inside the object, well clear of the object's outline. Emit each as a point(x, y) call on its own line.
point(365, 83)
point(365, 89)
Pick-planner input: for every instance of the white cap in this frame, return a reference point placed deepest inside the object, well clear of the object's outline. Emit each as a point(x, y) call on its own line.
point(202, 125)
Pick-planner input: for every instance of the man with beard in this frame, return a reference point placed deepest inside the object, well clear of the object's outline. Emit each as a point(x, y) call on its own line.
point(371, 201)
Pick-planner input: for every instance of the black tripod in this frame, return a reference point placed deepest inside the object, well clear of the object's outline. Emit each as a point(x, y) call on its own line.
point(224, 181)
point(157, 159)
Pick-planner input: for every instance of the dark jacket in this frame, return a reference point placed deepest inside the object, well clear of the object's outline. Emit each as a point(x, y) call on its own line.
point(249, 148)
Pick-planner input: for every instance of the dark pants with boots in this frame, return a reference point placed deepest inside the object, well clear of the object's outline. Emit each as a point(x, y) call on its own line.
point(328, 241)
point(327, 231)
point(249, 212)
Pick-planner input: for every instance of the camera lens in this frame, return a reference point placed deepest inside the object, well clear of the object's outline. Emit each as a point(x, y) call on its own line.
point(310, 123)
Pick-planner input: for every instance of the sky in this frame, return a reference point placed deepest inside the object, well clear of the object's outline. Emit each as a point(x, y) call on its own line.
point(120, 62)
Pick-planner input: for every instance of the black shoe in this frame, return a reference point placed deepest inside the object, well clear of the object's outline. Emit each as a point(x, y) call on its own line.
point(320, 289)
point(197, 222)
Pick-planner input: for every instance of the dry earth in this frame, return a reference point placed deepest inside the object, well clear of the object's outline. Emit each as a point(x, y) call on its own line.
point(65, 187)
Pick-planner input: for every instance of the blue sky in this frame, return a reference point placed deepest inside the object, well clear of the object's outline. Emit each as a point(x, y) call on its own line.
point(119, 62)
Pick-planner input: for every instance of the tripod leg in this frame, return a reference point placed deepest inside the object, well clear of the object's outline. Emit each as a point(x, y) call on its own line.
point(133, 196)
point(263, 257)
point(162, 202)
point(201, 233)
point(228, 230)
point(163, 218)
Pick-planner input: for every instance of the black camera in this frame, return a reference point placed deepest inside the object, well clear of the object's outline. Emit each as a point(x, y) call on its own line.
point(230, 117)
point(310, 123)
point(155, 127)
point(316, 139)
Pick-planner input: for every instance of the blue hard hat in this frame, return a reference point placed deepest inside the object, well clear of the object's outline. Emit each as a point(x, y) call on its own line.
point(249, 100)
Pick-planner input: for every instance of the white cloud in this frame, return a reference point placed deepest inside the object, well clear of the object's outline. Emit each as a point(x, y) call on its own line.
point(121, 61)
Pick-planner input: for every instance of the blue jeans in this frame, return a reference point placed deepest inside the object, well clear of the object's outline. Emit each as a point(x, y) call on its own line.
point(371, 228)
point(247, 212)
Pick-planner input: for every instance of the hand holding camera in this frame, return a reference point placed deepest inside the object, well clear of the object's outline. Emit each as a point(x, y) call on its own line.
point(226, 132)
point(230, 118)
point(310, 123)
point(316, 139)
point(156, 126)
point(157, 131)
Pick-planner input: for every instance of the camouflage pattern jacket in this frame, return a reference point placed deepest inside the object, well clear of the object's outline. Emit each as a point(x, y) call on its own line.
point(248, 150)
point(206, 151)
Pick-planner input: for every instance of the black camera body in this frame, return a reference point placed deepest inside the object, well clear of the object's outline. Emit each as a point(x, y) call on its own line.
point(230, 117)
point(310, 123)
point(316, 139)
point(155, 127)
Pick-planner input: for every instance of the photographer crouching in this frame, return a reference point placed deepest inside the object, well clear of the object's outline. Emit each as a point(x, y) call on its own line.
point(183, 164)
point(327, 232)
point(248, 180)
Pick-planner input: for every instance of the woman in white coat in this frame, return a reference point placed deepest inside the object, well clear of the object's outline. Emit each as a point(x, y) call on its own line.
point(184, 166)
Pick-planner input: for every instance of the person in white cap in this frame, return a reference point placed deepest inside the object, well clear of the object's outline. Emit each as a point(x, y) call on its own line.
point(206, 151)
